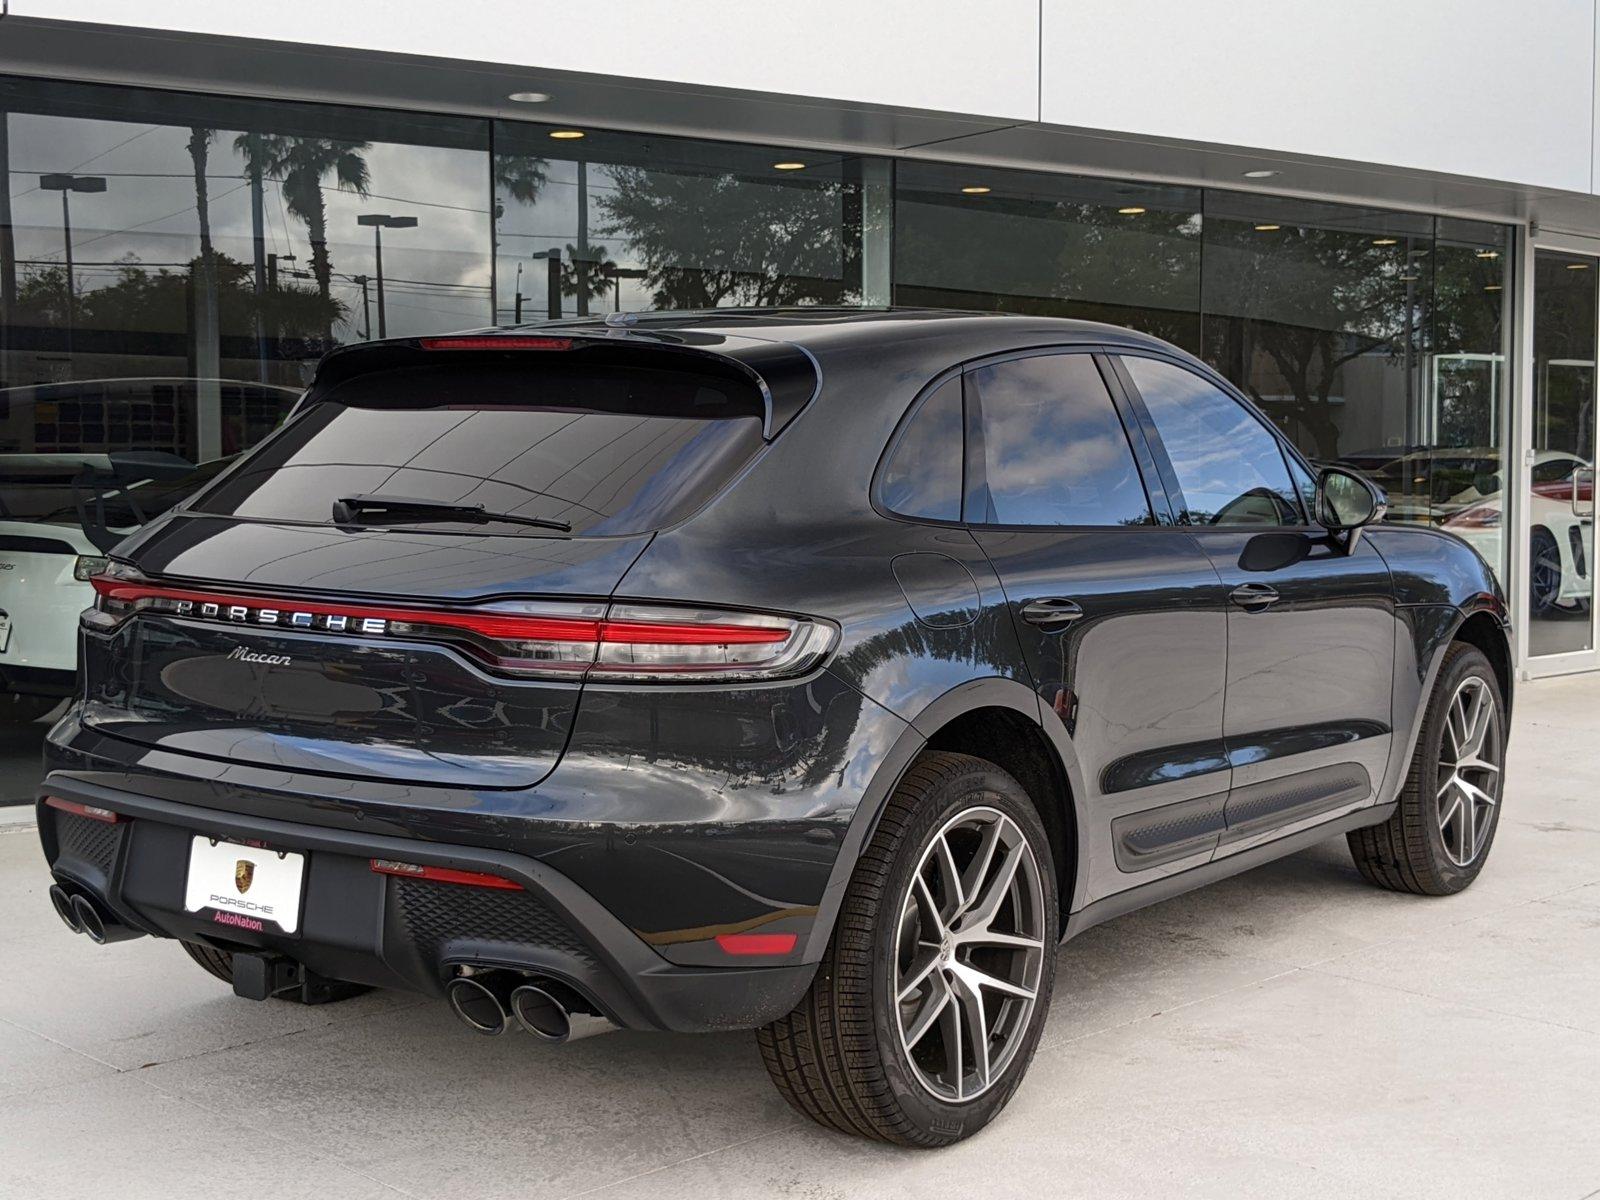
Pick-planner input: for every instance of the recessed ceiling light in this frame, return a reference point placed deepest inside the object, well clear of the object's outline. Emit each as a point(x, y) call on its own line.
point(789, 166)
point(1259, 174)
point(975, 190)
point(1408, 278)
point(529, 97)
point(1385, 241)
point(1488, 254)
point(1577, 266)
point(1492, 287)
point(1133, 210)
point(1268, 228)
point(566, 135)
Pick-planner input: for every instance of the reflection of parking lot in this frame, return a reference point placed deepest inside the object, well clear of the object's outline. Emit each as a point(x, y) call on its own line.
point(1291, 1031)
point(20, 748)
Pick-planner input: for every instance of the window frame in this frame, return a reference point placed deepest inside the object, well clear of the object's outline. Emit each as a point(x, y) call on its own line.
point(1169, 477)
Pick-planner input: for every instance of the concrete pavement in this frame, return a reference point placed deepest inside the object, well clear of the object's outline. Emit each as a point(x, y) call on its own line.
point(1291, 1032)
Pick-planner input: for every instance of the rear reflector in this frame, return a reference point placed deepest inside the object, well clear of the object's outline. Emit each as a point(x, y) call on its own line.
point(756, 943)
point(388, 866)
point(83, 810)
point(509, 342)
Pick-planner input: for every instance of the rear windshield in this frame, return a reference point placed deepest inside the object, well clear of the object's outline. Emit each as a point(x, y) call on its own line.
point(607, 449)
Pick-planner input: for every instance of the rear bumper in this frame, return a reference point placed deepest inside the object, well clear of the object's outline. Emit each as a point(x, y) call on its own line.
point(386, 931)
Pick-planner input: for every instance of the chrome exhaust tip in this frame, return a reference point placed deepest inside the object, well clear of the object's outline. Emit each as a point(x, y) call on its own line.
point(62, 900)
point(101, 927)
point(480, 1002)
point(549, 1019)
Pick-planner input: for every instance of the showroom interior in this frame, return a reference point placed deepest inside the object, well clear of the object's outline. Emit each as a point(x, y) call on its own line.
point(219, 244)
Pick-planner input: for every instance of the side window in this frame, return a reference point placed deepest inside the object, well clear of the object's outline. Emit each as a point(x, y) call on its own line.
point(1054, 449)
point(923, 475)
point(1229, 466)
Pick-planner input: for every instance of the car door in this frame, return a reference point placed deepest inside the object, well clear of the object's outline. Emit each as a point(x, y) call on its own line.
point(1311, 623)
point(1120, 615)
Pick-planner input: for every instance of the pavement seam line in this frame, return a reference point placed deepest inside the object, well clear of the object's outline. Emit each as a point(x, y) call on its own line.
point(58, 1042)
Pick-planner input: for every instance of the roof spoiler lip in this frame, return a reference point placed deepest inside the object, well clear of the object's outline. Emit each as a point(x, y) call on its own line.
point(773, 367)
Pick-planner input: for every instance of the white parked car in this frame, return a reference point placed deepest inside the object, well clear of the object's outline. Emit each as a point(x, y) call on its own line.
point(1561, 509)
point(82, 465)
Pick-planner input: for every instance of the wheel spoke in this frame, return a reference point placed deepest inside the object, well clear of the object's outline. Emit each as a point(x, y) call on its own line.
point(950, 1029)
point(975, 980)
point(913, 979)
point(970, 1000)
point(1475, 794)
point(978, 869)
point(928, 1012)
point(930, 907)
point(986, 905)
point(950, 877)
point(1477, 726)
point(993, 937)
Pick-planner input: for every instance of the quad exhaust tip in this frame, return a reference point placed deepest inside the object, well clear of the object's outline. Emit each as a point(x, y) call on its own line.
point(482, 1002)
point(62, 900)
point(83, 914)
point(488, 1002)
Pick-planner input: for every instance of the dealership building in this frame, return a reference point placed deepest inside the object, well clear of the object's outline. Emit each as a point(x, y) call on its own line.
point(1381, 221)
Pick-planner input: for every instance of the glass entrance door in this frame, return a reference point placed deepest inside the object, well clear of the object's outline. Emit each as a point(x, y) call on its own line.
point(1558, 496)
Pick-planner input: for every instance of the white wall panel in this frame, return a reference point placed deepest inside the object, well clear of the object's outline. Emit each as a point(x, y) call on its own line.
point(1498, 89)
point(948, 55)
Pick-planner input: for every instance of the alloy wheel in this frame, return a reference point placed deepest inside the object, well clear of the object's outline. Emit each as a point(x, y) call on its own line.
point(969, 953)
point(1470, 755)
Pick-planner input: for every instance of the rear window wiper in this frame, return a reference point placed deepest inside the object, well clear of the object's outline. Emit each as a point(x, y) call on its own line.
point(347, 510)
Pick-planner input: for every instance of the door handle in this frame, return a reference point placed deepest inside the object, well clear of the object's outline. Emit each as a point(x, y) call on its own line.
point(1051, 614)
point(1254, 597)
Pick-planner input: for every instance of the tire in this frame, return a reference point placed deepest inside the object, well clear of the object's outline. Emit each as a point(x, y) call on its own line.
point(1544, 573)
point(1424, 847)
point(22, 710)
point(320, 991)
point(841, 1056)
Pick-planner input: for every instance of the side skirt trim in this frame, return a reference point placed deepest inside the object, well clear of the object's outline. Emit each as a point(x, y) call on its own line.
point(1103, 910)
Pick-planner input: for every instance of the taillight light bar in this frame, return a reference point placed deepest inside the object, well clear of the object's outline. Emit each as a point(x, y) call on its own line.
point(633, 642)
point(405, 870)
point(92, 811)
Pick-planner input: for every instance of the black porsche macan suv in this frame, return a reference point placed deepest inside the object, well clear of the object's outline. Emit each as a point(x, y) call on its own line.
point(812, 672)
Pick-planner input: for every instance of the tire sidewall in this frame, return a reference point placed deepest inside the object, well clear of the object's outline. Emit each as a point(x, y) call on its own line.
point(985, 786)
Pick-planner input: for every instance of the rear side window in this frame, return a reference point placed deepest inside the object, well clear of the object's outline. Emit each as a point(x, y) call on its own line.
point(1054, 450)
point(608, 449)
point(1228, 465)
point(923, 475)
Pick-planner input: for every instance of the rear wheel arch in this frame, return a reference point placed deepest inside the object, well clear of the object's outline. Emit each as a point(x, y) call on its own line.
point(1019, 746)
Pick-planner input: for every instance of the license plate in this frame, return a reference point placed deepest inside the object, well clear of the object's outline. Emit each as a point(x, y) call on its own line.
point(5, 631)
point(245, 886)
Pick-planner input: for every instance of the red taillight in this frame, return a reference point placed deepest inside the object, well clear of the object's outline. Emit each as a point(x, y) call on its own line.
point(93, 812)
point(507, 342)
point(629, 642)
point(388, 866)
point(756, 943)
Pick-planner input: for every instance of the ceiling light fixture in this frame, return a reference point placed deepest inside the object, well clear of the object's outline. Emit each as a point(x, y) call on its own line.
point(1577, 266)
point(566, 135)
point(789, 166)
point(1492, 287)
point(1385, 241)
point(1263, 174)
point(975, 190)
point(1133, 210)
point(529, 97)
point(1488, 254)
point(1268, 228)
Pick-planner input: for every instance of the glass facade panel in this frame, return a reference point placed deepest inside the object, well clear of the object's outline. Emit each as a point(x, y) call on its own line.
point(1561, 500)
point(1054, 245)
point(608, 221)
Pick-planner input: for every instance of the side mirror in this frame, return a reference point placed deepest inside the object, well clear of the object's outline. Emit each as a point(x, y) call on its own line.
point(1347, 503)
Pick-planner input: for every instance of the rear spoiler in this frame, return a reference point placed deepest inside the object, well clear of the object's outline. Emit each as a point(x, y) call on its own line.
point(786, 376)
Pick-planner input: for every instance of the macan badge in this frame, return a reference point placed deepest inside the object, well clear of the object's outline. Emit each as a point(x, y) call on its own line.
point(244, 872)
